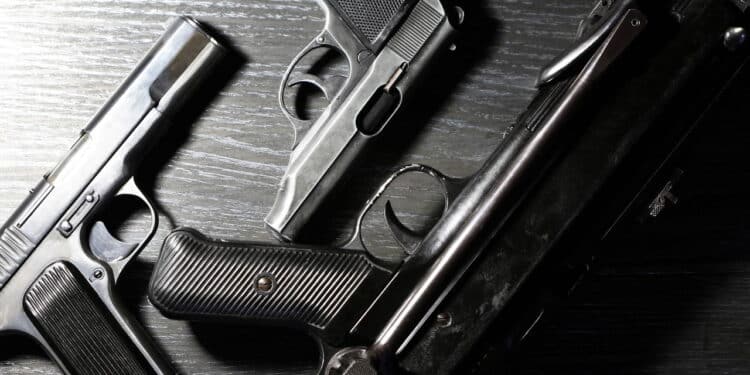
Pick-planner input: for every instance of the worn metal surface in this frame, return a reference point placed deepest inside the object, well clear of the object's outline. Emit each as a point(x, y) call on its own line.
point(61, 59)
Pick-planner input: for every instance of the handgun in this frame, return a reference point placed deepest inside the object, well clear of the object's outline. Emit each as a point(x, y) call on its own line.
point(389, 47)
point(365, 311)
point(58, 261)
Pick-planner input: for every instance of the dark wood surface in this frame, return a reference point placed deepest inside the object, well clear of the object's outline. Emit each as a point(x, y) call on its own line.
point(647, 308)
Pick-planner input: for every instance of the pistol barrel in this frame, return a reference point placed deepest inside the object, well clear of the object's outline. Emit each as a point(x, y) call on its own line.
point(153, 92)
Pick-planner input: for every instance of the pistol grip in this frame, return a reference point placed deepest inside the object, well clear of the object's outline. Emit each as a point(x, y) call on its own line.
point(322, 291)
point(79, 330)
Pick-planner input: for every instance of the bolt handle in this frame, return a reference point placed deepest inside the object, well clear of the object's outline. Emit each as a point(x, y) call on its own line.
point(81, 332)
point(320, 290)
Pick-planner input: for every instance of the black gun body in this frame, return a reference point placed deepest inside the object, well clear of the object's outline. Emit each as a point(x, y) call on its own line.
point(405, 300)
point(492, 195)
point(414, 290)
point(678, 73)
point(58, 263)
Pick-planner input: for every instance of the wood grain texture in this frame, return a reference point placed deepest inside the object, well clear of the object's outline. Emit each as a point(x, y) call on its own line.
point(62, 59)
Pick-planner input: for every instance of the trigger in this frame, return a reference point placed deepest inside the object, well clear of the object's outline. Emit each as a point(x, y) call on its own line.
point(407, 238)
point(105, 246)
point(329, 86)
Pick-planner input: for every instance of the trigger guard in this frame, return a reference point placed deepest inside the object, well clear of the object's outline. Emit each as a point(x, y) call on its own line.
point(131, 189)
point(345, 44)
point(406, 238)
point(118, 264)
point(299, 125)
point(330, 87)
point(287, 81)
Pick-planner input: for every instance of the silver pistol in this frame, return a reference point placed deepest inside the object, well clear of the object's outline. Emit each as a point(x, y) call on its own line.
point(388, 46)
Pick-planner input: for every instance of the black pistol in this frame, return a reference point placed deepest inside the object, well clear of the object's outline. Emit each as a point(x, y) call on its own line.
point(366, 311)
point(58, 262)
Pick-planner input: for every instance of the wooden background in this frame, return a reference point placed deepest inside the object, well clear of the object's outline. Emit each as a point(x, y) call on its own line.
point(671, 299)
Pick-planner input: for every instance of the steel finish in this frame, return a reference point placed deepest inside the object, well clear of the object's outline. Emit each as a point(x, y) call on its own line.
point(324, 151)
point(57, 224)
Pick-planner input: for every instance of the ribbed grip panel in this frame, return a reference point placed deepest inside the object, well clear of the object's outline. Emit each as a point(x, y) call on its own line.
point(14, 249)
point(77, 326)
point(420, 25)
point(200, 279)
point(370, 17)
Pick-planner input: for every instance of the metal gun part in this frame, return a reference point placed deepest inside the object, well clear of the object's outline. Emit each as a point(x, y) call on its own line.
point(389, 51)
point(58, 263)
point(346, 296)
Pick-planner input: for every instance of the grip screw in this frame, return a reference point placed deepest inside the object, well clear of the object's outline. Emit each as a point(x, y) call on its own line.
point(363, 55)
point(98, 274)
point(66, 226)
point(734, 38)
point(444, 320)
point(264, 284)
